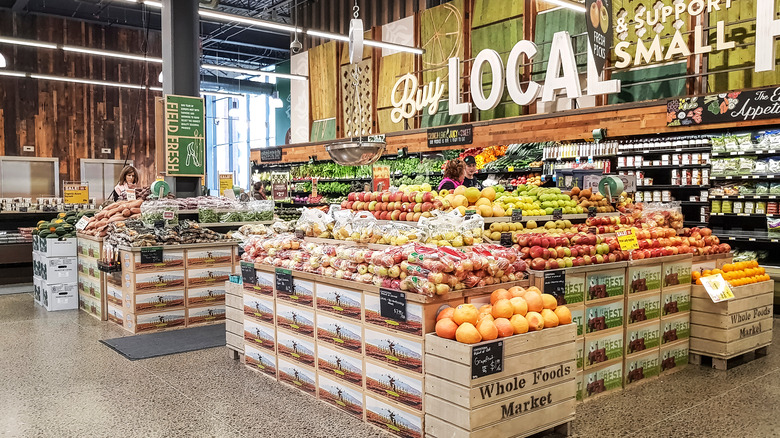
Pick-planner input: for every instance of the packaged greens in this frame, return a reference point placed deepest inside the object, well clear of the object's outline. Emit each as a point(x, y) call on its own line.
point(731, 143)
point(774, 188)
point(773, 165)
point(762, 188)
point(745, 188)
point(745, 142)
point(761, 167)
point(746, 165)
point(160, 210)
point(718, 144)
point(773, 225)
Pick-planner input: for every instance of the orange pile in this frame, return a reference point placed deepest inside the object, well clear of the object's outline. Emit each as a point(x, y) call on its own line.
point(510, 312)
point(737, 274)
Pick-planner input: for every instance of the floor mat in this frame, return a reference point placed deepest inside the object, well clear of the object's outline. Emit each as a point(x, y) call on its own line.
point(168, 342)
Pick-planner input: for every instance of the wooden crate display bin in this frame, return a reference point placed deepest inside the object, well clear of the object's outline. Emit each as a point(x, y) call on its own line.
point(734, 327)
point(640, 367)
point(260, 360)
point(535, 391)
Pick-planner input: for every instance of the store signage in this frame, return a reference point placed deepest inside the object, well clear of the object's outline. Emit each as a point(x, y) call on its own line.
point(555, 282)
point(506, 240)
point(450, 136)
point(151, 255)
point(185, 133)
point(225, 182)
point(381, 177)
point(517, 215)
point(592, 211)
point(627, 240)
point(248, 273)
point(82, 223)
point(557, 214)
point(279, 185)
point(284, 281)
point(270, 154)
point(599, 21)
point(487, 359)
point(717, 288)
point(314, 190)
point(75, 193)
point(724, 107)
point(392, 304)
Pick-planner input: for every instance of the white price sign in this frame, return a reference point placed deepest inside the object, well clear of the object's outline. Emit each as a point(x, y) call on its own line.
point(82, 223)
point(718, 288)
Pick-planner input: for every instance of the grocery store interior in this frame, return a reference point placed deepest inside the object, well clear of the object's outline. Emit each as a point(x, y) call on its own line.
point(409, 218)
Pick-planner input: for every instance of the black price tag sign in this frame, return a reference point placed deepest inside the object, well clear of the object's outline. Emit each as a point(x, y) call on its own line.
point(159, 224)
point(487, 359)
point(591, 211)
point(468, 214)
point(506, 239)
point(248, 273)
point(299, 234)
point(284, 281)
point(555, 282)
point(593, 230)
point(151, 255)
point(517, 215)
point(557, 214)
point(392, 304)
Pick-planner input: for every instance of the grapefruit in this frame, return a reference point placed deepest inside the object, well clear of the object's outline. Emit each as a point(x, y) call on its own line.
point(519, 324)
point(465, 313)
point(446, 328)
point(467, 334)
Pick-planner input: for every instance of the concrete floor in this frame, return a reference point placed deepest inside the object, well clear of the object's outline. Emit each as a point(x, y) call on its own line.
point(59, 381)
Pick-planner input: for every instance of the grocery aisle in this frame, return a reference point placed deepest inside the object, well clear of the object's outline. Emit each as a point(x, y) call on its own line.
point(58, 380)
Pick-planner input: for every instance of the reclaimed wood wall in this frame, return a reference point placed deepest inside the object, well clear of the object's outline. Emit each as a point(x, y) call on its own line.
point(73, 121)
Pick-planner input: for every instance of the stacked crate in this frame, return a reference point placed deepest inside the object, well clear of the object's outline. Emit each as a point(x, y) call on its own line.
point(207, 270)
point(92, 294)
point(234, 316)
point(642, 316)
point(675, 313)
point(55, 273)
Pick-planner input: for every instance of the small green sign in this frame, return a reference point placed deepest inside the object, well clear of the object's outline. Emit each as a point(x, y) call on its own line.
point(185, 133)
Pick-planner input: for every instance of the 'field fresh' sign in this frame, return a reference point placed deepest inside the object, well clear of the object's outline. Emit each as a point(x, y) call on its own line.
point(561, 78)
point(185, 133)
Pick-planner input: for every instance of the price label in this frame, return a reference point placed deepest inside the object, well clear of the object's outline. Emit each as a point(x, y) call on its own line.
point(299, 234)
point(75, 193)
point(506, 239)
point(510, 168)
point(130, 193)
point(468, 214)
point(168, 215)
point(557, 214)
point(717, 288)
point(284, 281)
point(591, 211)
point(517, 215)
point(151, 255)
point(82, 223)
point(729, 177)
point(627, 240)
point(487, 359)
point(392, 304)
point(751, 239)
point(248, 273)
point(555, 282)
point(225, 182)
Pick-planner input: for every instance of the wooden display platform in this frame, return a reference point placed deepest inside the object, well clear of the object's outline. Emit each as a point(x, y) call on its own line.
point(725, 363)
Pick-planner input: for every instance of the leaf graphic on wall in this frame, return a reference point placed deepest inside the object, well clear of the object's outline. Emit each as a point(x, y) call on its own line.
point(714, 108)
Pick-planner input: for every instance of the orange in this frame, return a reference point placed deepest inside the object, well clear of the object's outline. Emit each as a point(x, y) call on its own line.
point(445, 313)
point(484, 316)
point(520, 306)
point(519, 323)
point(534, 300)
point(696, 275)
point(550, 318)
point(487, 308)
point(535, 321)
point(564, 315)
point(467, 334)
point(487, 329)
point(728, 268)
point(503, 309)
point(517, 291)
point(505, 328)
point(499, 294)
point(549, 301)
point(465, 313)
point(706, 273)
point(446, 328)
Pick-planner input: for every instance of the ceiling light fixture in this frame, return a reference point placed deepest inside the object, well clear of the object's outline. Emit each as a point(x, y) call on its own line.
point(111, 54)
point(252, 72)
point(575, 6)
point(16, 74)
point(3, 63)
point(86, 81)
point(30, 43)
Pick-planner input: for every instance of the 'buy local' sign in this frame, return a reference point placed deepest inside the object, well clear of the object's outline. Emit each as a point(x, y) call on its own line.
point(561, 75)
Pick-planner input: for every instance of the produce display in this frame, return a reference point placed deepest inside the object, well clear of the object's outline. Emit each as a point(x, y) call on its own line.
point(736, 274)
point(116, 212)
point(61, 226)
point(512, 311)
point(517, 156)
point(328, 170)
point(136, 233)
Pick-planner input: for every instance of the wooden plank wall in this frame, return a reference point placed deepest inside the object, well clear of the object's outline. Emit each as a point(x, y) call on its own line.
point(73, 121)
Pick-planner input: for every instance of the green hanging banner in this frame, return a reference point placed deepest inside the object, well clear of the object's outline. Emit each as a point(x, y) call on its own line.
point(185, 133)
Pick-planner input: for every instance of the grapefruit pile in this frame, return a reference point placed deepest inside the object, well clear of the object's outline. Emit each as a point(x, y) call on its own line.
point(737, 274)
point(510, 312)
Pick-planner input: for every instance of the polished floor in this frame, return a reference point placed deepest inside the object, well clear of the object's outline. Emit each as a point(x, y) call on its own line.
point(57, 380)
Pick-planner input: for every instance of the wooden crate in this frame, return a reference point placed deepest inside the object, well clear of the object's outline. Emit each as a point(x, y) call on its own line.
point(343, 396)
point(394, 349)
point(264, 285)
point(603, 347)
point(260, 360)
point(643, 307)
point(148, 322)
point(173, 259)
point(602, 380)
point(604, 315)
point(297, 375)
point(260, 335)
point(578, 317)
point(296, 348)
point(297, 319)
point(731, 328)
point(539, 369)
point(211, 314)
point(420, 318)
point(393, 418)
point(340, 365)
point(341, 301)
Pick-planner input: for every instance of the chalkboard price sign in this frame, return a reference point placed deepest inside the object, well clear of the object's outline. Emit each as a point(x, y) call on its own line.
point(392, 304)
point(591, 211)
point(284, 281)
point(152, 255)
point(557, 214)
point(517, 215)
point(248, 273)
point(555, 282)
point(487, 359)
point(506, 239)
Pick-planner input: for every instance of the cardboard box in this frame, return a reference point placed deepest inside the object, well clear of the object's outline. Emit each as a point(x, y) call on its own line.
point(574, 290)
point(261, 309)
point(156, 301)
point(172, 259)
point(603, 379)
point(296, 348)
point(578, 317)
point(340, 395)
point(340, 364)
point(138, 323)
point(342, 333)
point(60, 247)
point(607, 284)
point(297, 375)
point(580, 385)
point(152, 281)
point(604, 316)
point(675, 328)
point(88, 267)
point(339, 301)
point(116, 314)
point(644, 278)
point(676, 299)
point(603, 347)
point(393, 349)
point(677, 273)
point(392, 418)
point(580, 353)
point(206, 296)
point(260, 360)
point(90, 286)
point(302, 294)
point(114, 295)
point(206, 314)
point(213, 276)
point(642, 366)
point(643, 337)
point(299, 320)
point(400, 387)
point(260, 335)
point(641, 307)
point(37, 292)
point(674, 355)
point(212, 256)
point(88, 248)
point(265, 283)
point(90, 305)
point(414, 316)
point(60, 296)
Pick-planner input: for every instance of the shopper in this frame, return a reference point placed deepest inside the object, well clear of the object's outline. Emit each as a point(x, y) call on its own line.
point(127, 181)
point(454, 174)
point(258, 191)
point(471, 173)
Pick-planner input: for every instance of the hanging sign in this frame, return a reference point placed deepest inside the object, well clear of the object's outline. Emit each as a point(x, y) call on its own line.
point(381, 178)
point(185, 131)
point(450, 136)
point(627, 240)
point(75, 193)
point(724, 107)
point(718, 288)
point(225, 182)
point(270, 154)
point(599, 21)
point(279, 185)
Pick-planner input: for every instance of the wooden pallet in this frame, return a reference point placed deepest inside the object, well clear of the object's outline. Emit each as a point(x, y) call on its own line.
point(724, 363)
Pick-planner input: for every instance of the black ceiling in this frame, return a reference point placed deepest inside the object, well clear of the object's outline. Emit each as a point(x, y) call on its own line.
point(222, 43)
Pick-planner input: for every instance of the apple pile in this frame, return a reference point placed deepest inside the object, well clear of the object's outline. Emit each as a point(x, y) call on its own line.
point(545, 251)
point(510, 312)
point(399, 206)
